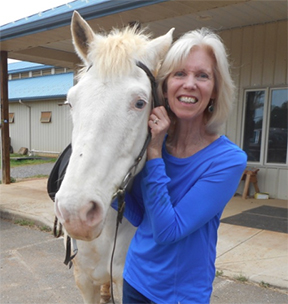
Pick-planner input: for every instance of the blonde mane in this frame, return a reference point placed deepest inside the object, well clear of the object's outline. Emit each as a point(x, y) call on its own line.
point(114, 55)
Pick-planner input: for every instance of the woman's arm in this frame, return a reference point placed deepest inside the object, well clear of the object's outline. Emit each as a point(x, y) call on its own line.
point(205, 199)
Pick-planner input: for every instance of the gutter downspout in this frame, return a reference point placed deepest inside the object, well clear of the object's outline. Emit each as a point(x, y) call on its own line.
point(29, 133)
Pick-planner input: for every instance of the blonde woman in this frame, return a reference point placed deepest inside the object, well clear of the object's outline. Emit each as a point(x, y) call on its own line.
point(190, 175)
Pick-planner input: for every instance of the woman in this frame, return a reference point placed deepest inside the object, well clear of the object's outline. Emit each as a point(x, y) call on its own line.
point(190, 175)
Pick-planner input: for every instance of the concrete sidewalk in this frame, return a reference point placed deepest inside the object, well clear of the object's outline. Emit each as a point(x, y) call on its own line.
point(261, 256)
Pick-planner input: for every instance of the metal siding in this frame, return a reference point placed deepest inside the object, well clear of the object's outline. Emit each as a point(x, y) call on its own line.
point(257, 56)
point(19, 130)
point(282, 191)
point(259, 59)
point(269, 54)
point(54, 136)
point(280, 76)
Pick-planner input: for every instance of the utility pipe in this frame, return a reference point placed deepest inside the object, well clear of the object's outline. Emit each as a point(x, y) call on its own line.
point(29, 134)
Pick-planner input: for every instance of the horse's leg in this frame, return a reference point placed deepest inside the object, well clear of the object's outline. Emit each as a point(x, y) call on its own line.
point(89, 291)
point(105, 293)
point(118, 286)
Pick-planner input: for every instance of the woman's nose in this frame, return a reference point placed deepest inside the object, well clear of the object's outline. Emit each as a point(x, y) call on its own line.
point(190, 83)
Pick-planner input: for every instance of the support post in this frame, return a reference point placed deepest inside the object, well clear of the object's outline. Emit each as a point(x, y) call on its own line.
point(5, 161)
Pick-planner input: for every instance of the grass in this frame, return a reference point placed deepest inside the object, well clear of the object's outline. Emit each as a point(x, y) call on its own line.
point(45, 228)
point(219, 273)
point(17, 160)
point(241, 278)
point(23, 160)
point(265, 285)
point(24, 223)
point(31, 224)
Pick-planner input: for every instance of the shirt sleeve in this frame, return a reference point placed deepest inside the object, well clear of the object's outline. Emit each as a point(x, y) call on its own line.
point(205, 199)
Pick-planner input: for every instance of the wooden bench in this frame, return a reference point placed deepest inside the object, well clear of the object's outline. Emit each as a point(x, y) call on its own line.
point(249, 176)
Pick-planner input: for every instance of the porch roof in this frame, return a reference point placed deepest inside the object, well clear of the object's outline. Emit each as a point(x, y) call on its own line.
point(46, 38)
point(42, 87)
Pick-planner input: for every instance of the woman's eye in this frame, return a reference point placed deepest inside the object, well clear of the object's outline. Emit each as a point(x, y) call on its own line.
point(140, 104)
point(203, 76)
point(179, 74)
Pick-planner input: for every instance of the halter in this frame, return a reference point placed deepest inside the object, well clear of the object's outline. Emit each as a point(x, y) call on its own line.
point(58, 172)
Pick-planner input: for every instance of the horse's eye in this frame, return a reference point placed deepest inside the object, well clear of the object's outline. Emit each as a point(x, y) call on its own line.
point(140, 104)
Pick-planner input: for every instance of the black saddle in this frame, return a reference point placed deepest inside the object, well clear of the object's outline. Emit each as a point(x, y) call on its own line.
point(58, 172)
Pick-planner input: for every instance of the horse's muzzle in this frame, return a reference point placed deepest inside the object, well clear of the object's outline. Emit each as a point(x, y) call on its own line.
point(85, 223)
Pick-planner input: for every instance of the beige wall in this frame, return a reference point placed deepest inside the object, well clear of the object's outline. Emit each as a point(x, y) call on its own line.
point(27, 130)
point(259, 57)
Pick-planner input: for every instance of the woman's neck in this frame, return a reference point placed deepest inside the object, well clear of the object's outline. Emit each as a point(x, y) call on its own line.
point(188, 140)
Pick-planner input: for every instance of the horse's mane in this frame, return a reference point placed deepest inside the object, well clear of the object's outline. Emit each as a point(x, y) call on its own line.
point(114, 55)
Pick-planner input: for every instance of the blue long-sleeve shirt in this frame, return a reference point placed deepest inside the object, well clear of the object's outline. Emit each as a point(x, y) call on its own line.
point(177, 204)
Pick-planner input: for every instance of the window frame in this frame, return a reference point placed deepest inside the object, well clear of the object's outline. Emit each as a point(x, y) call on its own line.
point(268, 127)
point(46, 117)
point(11, 118)
point(265, 125)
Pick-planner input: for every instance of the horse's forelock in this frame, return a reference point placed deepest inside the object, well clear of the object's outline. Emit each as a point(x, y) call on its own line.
point(115, 55)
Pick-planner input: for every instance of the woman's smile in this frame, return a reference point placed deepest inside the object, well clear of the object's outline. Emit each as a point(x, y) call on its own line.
point(188, 99)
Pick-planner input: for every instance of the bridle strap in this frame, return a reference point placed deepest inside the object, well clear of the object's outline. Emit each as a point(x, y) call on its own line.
point(155, 99)
point(120, 193)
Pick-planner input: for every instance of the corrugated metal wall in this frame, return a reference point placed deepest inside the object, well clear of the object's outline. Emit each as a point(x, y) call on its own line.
point(27, 130)
point(259, 57)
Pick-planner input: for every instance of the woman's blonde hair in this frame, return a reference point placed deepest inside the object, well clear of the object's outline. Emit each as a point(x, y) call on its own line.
point(224, 85)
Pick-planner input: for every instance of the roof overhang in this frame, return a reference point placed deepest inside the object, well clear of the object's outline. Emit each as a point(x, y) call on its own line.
point(46, 39)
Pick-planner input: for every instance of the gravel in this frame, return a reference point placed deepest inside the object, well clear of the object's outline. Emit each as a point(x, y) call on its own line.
point(30, 170)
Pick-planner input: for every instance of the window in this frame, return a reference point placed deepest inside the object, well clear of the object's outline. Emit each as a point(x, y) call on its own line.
point(277, 136)
point(36, 73)
point(265, 125)
point(46, 117)
point(11, 117)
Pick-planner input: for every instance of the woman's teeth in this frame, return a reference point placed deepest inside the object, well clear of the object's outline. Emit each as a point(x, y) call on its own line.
point(188, 99)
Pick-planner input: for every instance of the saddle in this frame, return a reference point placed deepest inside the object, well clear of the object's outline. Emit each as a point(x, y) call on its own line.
point(58, 172)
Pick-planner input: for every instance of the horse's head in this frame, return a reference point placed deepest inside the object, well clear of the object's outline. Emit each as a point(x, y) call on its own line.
point(110, 106)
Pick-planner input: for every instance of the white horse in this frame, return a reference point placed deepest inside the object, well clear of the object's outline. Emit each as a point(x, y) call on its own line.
point(110, 106)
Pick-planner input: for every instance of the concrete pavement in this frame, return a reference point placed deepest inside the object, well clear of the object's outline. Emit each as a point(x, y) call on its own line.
point(258, 255)
point(32, 271)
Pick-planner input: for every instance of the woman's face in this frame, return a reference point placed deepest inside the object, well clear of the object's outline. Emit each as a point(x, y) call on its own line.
point(191, 86)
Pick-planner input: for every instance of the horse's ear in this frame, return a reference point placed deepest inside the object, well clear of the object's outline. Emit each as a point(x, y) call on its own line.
point(82, 35)
point(158, 47)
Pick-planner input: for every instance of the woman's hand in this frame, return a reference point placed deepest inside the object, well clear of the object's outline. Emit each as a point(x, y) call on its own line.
point(159, 123)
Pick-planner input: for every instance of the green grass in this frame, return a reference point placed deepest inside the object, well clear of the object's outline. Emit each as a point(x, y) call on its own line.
point(25, 223)
point(219, 273)
point(265, 285)
point(241, 278)
point(31, 224)
point(45, 228)
point(24, 162)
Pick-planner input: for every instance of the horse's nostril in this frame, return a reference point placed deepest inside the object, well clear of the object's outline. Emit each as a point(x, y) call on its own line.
point(92, 213)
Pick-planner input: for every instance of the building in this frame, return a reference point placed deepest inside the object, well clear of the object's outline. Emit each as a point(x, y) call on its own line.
point(255, 33)
point(38, 117)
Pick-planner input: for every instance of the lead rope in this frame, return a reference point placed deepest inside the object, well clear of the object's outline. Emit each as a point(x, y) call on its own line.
point(120, 194)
